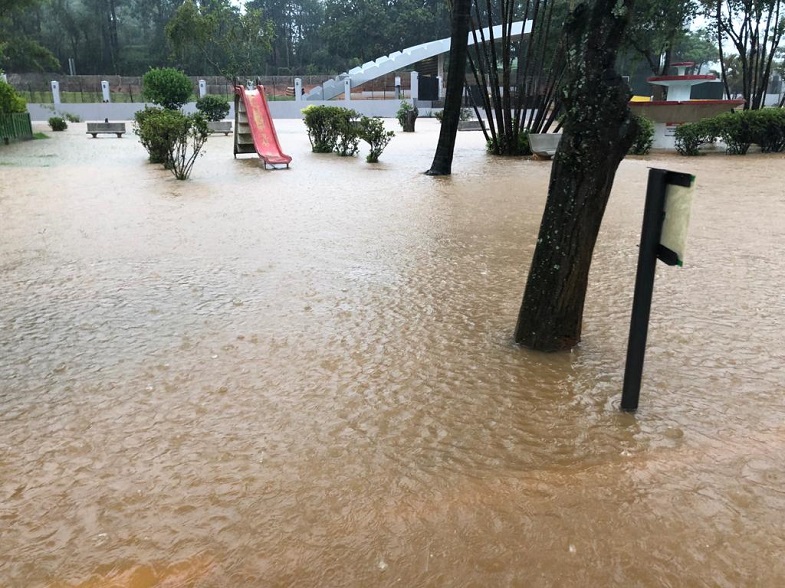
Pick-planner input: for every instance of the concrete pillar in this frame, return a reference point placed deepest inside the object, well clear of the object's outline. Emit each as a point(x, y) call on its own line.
point(3, 78)
point(440, 72)
point(414, 93)
point(202, 88)
point(298, 89)
point(347, 89)
point(55, 92)
point(105, 91)
point(397, 87)
point(441, 86)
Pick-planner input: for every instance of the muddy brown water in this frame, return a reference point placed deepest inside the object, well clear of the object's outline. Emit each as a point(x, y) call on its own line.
point(306, 377)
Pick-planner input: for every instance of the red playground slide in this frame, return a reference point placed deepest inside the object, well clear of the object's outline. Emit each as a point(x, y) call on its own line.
point(254, 128)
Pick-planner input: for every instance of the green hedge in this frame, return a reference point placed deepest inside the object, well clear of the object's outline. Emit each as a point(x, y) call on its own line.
point(738, 130)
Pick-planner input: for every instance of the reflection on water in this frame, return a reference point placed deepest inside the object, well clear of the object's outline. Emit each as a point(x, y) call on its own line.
point(306, 377)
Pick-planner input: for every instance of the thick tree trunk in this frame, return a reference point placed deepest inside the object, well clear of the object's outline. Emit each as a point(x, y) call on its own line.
point(598, 131)
point(459, 42)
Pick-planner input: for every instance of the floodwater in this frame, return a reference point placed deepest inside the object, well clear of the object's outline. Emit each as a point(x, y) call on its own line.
point(306, 377)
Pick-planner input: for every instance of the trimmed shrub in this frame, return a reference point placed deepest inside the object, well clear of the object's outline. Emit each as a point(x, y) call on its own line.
point(167, 87)
point(322, 132)
point(10, 101)
point(642, 143)
point(214, 108)
point(372, 132)
point(690, 136)
point(736, 130)
point(347, 132)
point(768, 127)
point(145, 129)
point(57, 123)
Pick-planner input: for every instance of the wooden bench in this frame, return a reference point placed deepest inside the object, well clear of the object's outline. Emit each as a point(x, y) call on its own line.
point(544, 144)
point(97, 128)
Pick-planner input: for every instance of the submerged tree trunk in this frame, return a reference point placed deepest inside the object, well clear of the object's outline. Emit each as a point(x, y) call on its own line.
point(459, 42)
point(598, 131)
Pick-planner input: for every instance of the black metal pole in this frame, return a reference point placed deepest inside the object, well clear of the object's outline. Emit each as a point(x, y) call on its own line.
point(653, 213)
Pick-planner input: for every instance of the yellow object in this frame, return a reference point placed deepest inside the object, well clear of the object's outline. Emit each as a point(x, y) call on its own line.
point(640, 99)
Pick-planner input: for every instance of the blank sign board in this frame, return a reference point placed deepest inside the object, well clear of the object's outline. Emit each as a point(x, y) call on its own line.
point(673, 238)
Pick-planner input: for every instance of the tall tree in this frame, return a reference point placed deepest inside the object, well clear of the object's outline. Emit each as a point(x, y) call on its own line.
point(656, 29)
point(598, 131)
point(755, 28)
point(453, 100)
point(220, 37)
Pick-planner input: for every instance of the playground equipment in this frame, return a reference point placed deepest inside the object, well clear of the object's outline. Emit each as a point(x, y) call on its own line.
point(254, 131)
point(679, 108)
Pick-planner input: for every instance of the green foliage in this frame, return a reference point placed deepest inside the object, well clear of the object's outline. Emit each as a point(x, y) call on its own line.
point(74, 118)
point(218, 35)
point(10, 101)
point(372, 132)
point(57, 123)
point(321, 124)
point(691, 136)
point(167, 87)
point(214, 108)
point(769, 128)
point(188, 144)
point(406, 115)
point(641, 145)
point(172, 138)
point(738, 130)
point(347, 129)
point(519, 147)
point(149, 125)
point(466, 114)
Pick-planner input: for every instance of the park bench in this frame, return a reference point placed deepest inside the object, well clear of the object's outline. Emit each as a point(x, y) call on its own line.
point(106, 127)
point(544, 144)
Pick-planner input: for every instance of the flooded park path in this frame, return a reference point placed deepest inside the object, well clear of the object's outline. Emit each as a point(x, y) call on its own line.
point(306, 377)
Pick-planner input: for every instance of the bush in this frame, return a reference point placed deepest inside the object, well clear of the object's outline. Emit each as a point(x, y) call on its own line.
point(522, 146)
point(372, 132)
point(347, 132)
point(642, 143)
point(10, 101)
point(407, 115)
point(167, 87)
point(189, 138)
point(321, 125)
point(768, 127)
point(57, 123)
point(736, 130)
point(690, 136)
point(145, 128)
point(214, 108)
point(465, 114)
point(172, 138)
point(74, 118)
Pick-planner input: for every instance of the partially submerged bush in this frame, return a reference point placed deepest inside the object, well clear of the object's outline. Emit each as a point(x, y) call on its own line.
point(321, 124)
point(644, 139)
point(10, 101)
point(214, 108)
point(187, 145)
point(347, 132)
point(172, 138)
point(372, 132)
point(407, 115)
point(57, 123)
point(521, 147)
point(167, 87)
point(736, 131)
point(689, 137)
point(146, 128)
point(768, 127)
